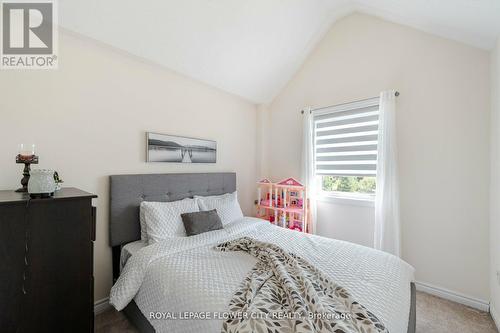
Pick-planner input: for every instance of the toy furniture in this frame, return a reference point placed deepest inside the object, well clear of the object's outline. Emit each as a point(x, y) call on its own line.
point(284, 204)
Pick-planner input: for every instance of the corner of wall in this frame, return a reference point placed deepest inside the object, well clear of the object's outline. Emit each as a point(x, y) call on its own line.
point(495, 186)
point(495, 315)
point(263, 128)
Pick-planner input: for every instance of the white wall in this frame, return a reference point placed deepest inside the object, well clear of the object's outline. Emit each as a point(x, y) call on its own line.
point(443, 134)
point(495, 185)
point(89, 119)
point(348, 222)
point(263, 132)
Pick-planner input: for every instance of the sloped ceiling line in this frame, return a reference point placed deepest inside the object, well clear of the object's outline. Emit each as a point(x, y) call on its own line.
point(253, 48)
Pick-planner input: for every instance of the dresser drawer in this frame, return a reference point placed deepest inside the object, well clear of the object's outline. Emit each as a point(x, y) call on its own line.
point(56, 262)
point(94, 218)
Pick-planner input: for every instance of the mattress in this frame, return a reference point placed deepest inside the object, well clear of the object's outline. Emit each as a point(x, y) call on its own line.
point(185, 275)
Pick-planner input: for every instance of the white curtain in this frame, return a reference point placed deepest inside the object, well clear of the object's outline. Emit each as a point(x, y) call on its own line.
point(387, 220)
point(308, 176)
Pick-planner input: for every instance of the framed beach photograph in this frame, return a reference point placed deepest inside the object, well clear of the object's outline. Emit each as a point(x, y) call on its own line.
point(179, 149)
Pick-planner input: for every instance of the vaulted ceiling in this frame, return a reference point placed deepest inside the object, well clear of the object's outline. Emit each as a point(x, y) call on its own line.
point(252, 48)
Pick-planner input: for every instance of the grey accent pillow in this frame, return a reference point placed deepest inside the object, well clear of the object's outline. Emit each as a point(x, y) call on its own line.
point(200, 222)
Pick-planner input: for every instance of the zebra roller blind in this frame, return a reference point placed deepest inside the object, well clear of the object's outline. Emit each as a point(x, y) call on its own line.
point(345, 139)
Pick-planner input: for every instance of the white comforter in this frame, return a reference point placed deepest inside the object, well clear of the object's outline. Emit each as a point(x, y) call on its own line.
point(185, 274)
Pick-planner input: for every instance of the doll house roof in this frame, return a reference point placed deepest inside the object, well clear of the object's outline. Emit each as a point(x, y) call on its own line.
point(290, 182)
point(265, 181)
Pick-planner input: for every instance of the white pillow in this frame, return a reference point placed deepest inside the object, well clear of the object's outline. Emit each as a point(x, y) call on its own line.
point(144, 232)
point(163, 219)
point(227, 206)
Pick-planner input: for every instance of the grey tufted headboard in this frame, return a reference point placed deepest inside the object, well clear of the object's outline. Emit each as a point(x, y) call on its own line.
point(127, 192)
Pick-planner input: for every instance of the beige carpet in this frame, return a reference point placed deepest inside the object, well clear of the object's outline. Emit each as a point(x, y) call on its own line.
point(434, 315)
point(113, 321)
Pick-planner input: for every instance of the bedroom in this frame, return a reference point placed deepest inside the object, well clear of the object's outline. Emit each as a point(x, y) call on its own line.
point(239, 74)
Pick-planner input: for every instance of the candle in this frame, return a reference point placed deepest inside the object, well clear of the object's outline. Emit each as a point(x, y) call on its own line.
point(26, 150)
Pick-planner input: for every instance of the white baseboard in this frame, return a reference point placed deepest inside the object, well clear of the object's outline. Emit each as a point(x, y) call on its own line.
point(101, 305)
point(494, 315)
point(453, 296)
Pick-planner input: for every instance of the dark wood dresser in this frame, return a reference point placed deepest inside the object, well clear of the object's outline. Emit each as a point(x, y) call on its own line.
point(46, 262)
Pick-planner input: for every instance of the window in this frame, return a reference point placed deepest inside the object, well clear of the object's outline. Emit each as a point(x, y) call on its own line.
point(345, 143)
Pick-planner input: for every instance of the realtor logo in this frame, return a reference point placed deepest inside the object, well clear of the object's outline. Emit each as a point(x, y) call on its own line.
point(28, 34)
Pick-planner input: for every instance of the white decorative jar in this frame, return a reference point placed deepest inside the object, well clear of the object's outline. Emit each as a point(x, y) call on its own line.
point(41, 183)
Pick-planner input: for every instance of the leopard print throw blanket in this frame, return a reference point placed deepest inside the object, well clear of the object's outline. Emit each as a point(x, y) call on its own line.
point(284, 293)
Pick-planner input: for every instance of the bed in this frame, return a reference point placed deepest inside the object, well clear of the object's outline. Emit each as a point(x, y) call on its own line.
point(185, 275)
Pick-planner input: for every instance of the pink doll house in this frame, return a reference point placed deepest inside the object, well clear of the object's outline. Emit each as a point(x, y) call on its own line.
point(283, 204)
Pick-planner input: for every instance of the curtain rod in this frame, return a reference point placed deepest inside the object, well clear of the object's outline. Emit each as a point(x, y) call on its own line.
point(359, 100)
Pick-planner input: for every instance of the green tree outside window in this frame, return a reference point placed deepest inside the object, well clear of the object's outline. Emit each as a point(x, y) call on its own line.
point(352, 184)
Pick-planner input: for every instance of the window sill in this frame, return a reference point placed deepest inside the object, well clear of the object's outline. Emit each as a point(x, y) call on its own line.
point(346, 200)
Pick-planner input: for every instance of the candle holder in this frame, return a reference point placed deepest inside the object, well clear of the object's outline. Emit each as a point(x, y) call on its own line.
point(27, 160)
